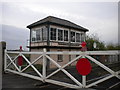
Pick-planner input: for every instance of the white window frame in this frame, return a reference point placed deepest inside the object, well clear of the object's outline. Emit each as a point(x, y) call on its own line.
point(40, 29)
point(76, 37)
point(62, 33)
point(50, 34)
point(32, 36)
point(70, 36)
point(82, 37)
point(59, 56)
point(57, 34)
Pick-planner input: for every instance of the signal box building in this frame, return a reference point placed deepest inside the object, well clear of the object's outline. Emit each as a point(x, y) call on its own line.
point(56, 34)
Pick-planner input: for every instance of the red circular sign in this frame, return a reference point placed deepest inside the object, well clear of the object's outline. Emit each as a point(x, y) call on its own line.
point(83, 44)
point(20, 61)
point(20, 48)
point(83, 66)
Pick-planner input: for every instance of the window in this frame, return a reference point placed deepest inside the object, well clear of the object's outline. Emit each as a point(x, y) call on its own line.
point(33, 36)
point(60, 58)
point(44, 33)
point(72, 36)
point(65, 35)
point(82, 37)
point(60, 35)
point(77, 37)
point(38, 35)
point(53, 34)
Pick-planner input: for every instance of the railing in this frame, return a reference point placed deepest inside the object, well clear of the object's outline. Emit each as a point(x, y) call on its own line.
point(44, 77)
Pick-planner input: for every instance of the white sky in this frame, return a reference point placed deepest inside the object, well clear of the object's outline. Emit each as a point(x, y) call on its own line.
point(98, 17)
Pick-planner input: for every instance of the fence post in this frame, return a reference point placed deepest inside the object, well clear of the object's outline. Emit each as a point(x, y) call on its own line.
point(44, 65)
point(5, 60)
point(84, 81)
point(1, 59)
point(3, 47)
point(83, 77)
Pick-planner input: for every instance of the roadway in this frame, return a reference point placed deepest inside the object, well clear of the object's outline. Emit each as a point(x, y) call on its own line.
point(12, 81)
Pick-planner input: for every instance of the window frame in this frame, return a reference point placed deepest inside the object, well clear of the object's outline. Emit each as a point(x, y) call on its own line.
point(40, 32)
point(82, 37)
point(70, 36)
point(76, 36)
point(57, 34)
point(64, 35)
point(59, 56)
point(50, 34)
point(32, 35)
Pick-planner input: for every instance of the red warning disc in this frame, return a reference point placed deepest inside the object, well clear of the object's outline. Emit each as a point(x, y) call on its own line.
point(83, 66)
point(20, 61)
point(83, 44)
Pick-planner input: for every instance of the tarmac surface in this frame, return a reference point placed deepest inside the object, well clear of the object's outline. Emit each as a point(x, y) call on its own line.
point(13, 82)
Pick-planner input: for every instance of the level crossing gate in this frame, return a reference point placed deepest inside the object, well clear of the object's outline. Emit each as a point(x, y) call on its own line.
point(42, 76)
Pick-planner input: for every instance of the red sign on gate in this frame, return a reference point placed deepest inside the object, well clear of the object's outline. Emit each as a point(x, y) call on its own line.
point(83, 66)
point(20, 61)
point(83, 44)
point(20, 58)
point(84, 48)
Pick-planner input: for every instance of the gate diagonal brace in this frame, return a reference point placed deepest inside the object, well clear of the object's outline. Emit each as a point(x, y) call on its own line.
point(12, 60)
point(13, 63)
point(116, 74)
point(32, 66)
point(66, 72)
point(103, 66)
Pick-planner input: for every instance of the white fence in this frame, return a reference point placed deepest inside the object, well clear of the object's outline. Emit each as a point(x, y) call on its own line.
point(42, 76)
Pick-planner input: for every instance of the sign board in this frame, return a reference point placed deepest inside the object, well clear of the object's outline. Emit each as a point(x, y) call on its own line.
point(83, 66)
point(20, 61)
point(20, 58)
point(83, 44)
point(94, 45)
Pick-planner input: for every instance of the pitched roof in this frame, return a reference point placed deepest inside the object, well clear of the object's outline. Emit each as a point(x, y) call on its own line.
point(58, 21)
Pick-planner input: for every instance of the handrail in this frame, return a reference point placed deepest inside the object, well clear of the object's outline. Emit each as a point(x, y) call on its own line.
point(73, 52)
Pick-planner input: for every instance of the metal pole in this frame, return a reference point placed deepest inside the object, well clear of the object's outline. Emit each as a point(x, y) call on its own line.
point(44, 65)
point(20, 68)
point(84, 81)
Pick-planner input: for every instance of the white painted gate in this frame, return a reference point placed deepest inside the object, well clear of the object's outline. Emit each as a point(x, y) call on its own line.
point(42, 76)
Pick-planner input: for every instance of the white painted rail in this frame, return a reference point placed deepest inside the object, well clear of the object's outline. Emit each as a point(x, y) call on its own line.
point(46, 78)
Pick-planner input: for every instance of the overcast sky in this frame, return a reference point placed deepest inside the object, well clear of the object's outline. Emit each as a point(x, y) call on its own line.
point(100, 18)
